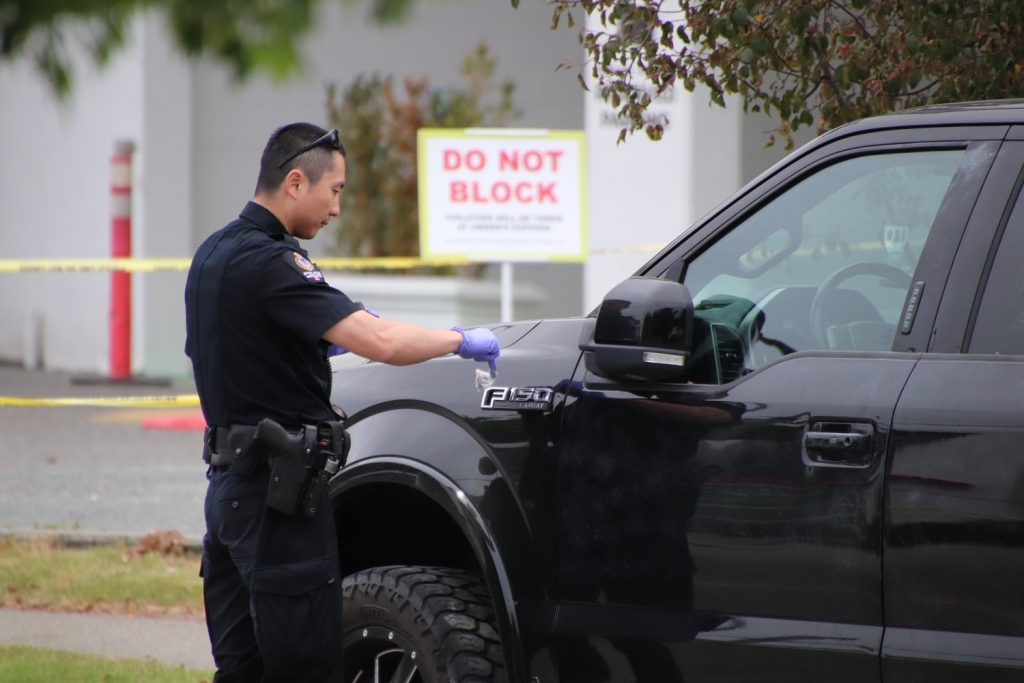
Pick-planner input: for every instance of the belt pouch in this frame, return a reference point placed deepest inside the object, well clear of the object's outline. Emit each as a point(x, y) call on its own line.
point(241, 441)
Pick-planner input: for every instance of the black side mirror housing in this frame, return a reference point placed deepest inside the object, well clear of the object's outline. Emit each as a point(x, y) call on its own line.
point(643, 332)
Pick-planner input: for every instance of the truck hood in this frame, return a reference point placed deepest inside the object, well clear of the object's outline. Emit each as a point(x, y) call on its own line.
point(534, 353)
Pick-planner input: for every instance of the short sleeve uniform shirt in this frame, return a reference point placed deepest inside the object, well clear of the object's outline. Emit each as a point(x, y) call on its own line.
point(256, 310)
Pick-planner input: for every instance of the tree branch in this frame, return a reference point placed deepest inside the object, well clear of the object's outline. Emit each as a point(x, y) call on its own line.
point(858, 20)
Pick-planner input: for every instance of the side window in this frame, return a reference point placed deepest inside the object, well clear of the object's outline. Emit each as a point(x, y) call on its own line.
point(999, 327)
point(825, 265)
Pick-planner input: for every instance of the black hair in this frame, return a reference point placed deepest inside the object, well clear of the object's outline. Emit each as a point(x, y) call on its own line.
point(285, 142)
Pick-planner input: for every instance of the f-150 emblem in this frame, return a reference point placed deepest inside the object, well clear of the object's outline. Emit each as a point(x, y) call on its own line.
point(518, 398)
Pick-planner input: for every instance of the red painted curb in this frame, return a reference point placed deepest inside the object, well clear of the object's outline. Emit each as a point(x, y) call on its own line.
point(192, 422)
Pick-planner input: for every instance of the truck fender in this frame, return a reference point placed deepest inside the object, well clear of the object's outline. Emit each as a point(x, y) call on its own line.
point(388, 447)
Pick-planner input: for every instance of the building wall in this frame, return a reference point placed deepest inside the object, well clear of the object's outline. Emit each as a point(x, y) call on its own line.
point(199, 136)
point(164, 175)
point(645, 194)
point(232, 121)
point(55, 180)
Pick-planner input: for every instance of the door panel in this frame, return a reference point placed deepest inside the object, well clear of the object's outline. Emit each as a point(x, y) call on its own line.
point(954, 538)
point(730, 528)
point(954, 534)
point(698, 539)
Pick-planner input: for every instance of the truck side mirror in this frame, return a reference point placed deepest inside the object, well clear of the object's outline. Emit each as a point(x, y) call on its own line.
point(643, 331)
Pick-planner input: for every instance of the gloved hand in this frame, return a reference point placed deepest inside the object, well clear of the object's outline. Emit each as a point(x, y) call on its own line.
point(481, 345)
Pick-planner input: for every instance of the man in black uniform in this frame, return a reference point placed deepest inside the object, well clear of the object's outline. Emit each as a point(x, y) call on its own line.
point(260, 318)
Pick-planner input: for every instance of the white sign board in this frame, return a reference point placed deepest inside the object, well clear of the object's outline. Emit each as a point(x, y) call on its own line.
point(502, 194)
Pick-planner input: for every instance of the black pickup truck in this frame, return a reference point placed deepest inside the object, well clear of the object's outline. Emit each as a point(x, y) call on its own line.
point(790, 448)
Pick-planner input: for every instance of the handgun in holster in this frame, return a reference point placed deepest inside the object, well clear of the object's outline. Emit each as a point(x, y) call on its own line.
point(301, 463)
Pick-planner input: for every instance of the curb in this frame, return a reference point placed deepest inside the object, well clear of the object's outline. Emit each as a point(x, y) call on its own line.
point(73, 539)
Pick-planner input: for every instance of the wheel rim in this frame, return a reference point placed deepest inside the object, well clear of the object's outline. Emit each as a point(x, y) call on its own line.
point(374, 654)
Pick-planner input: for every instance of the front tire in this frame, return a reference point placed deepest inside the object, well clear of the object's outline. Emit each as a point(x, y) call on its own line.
point(419, 625)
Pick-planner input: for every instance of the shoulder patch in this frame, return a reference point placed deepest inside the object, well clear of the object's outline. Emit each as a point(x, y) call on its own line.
point(306, 268)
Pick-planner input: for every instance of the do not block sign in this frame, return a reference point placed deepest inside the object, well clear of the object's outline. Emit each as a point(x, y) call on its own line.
point(502, 195)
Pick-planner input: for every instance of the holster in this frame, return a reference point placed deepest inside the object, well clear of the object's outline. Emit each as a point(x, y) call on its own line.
point(301, 463)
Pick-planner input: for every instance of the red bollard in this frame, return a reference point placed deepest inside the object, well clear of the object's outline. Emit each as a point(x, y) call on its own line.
point(121, 247)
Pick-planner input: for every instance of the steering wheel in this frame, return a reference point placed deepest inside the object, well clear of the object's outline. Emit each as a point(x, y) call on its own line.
point(831, 284)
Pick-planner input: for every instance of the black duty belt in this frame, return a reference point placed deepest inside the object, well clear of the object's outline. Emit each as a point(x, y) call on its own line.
point(216, 451)
point(302, 461)
point(245, 447)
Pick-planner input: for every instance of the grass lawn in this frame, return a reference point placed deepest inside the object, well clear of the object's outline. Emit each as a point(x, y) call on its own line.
point(39, 574)
point(32, 665)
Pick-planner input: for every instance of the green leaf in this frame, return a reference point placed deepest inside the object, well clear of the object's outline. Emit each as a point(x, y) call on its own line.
point(841, 76)
point(760, 45)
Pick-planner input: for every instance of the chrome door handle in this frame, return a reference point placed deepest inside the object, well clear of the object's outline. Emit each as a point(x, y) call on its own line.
point(837, 441)
point(838, 445)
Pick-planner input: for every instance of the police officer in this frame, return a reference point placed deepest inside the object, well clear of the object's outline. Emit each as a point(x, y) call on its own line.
point(260, 318)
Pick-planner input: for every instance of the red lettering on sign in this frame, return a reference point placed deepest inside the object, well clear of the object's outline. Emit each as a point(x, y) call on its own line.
point(508, 160)
point(478, 196)
point(546, 191)
point(457, 193)
point(452, 160)
point(555, 155)
point(461, 192)
point(531, 160)
point(474, 160)
point(501, 193)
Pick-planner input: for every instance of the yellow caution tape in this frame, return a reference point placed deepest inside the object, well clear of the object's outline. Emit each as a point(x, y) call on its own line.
point(179, 401)
point(390, 262)
point(180, 265)
point(170, 265)
point(93, 265)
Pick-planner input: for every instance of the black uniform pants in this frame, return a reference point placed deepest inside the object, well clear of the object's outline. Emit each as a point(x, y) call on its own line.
point(271, 585)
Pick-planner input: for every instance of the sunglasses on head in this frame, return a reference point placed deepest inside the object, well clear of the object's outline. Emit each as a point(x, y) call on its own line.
point(331, 138)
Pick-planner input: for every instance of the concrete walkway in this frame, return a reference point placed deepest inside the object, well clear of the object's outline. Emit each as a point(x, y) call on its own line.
point(175, 641)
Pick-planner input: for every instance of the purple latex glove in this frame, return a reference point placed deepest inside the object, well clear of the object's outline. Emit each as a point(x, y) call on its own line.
point(481, 345)
point(334, 349)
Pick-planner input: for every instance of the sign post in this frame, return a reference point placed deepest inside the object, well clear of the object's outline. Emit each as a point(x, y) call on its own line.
point(503, 195)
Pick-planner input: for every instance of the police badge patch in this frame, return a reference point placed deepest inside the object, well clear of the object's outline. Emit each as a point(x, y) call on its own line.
point(304, 266)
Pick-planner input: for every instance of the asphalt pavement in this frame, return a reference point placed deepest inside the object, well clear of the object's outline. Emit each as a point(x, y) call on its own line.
point(98, 470)
point(91, 474)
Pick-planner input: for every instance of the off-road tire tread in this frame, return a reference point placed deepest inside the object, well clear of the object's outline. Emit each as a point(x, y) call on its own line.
point(450, 607)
